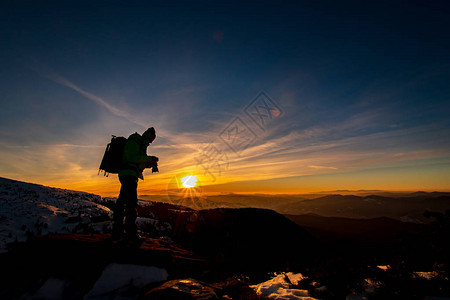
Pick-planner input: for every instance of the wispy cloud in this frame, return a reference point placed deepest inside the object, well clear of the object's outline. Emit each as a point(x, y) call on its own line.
point(49, 73)
point(136, 117)
point(322, 167)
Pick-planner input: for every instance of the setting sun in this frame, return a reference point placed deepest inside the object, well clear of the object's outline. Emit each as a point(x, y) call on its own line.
point(189, 181)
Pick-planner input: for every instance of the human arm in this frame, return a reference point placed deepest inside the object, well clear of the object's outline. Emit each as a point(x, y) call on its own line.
point(135, 156)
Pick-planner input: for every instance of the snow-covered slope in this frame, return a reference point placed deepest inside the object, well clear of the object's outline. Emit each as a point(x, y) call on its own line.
point(28, 209)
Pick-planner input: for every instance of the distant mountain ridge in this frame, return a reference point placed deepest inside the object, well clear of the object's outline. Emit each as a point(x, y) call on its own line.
point(381, 229)
point(406, 207)
point(409, 209)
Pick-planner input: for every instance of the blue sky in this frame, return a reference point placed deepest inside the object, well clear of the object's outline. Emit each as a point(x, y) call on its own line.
point(363, 87)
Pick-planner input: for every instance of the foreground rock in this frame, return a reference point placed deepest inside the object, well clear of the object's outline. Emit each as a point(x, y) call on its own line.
point(73, 265)
point(248, 240)
point(191, 289)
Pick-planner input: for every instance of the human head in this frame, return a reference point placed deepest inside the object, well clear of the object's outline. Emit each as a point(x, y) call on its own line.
point(149, 134)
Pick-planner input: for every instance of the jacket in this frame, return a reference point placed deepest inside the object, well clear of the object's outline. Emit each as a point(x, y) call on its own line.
point(135, 158)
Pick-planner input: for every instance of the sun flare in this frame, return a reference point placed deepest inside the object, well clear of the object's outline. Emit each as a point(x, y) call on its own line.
point(189, 181)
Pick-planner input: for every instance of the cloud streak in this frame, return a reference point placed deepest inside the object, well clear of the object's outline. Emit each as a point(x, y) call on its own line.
point(52, 75)
point(174, 139)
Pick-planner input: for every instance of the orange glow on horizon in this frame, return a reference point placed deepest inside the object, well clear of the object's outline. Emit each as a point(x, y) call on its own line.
point(425, 178)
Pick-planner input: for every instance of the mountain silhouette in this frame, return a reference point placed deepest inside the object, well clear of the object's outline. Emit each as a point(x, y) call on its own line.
point(405, 207)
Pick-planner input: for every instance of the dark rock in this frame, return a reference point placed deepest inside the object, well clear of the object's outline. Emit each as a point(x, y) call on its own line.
point(247, 239)
point(183, 289)
point(188, 289)
point(81, 259)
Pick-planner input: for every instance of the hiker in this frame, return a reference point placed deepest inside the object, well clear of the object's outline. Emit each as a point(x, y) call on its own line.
point(135, 160)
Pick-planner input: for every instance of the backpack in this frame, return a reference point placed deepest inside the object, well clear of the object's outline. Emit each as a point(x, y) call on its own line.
point(113, 158)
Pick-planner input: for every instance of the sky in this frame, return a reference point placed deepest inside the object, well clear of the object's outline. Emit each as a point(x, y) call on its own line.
point(251, 97)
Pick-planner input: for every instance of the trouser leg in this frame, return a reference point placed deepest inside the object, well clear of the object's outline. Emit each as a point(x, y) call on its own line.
point(118, 213)
point(131, 206)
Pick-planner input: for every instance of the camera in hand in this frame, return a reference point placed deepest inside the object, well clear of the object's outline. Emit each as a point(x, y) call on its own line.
point(154, 165)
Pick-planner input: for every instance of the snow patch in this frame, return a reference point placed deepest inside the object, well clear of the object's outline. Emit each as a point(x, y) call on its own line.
point(53, 288)
point(119, 279)
point(426, 275)
point(280, 287)
point(153, 225)
point(384, 268)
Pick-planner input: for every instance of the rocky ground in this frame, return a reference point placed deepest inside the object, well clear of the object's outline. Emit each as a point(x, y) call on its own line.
point(72, 266)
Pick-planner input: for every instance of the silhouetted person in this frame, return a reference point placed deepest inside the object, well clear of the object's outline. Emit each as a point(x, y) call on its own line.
point(135, 160)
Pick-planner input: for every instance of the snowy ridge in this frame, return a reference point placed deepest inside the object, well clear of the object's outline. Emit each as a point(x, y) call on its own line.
point(29, 209)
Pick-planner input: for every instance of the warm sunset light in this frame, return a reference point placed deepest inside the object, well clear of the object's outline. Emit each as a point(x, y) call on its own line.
point(290, 123)
point(306, 141)
point(189, 181)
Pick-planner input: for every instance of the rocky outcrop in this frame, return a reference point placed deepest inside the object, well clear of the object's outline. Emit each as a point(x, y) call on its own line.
point(193, 289)
point(246, 239)
point(79, 260)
